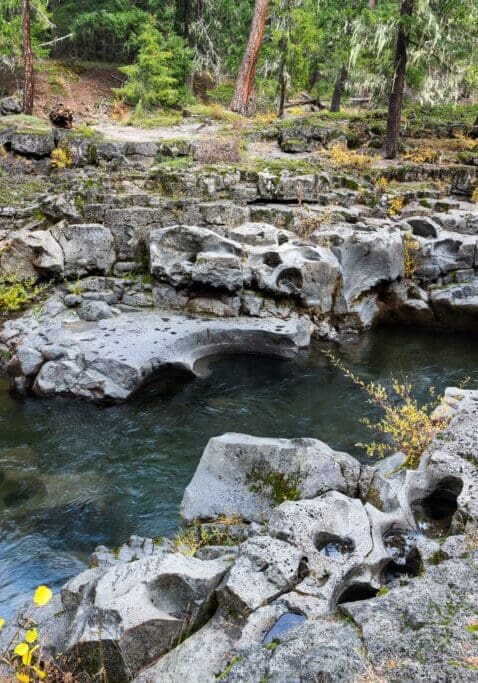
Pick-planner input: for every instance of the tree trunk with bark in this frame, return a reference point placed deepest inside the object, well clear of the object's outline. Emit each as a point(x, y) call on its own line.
point(398, 83)
point(339, 89)
point(282, 75)
point(245, 77)
point(27, 59)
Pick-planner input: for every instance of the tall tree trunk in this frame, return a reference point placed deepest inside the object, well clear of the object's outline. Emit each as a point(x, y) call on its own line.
point(476, 122)
point(282, 75)
point(245, 77)
point(339, 89)
point(398, 83)
point(372, 4)
point(27, 59)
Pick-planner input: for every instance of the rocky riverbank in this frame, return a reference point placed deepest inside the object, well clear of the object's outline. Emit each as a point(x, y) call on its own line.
point(298, 564)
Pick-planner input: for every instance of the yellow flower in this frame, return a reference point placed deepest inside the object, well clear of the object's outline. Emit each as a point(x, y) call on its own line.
point(31, 635)
point(23, 678)
point(2, 623)
point(41, 675)
point(42, 595)
point(21, 649)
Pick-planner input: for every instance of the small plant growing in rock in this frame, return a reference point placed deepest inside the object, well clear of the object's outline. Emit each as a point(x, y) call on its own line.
point(395, 205)
point(411, 247)
point(279, 486)
point(406, 425)
point(61, 158)
point(15, 292)
point(382, 184)
point(474, 196)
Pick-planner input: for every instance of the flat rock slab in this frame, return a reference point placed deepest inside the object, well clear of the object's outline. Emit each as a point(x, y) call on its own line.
point(110, 359)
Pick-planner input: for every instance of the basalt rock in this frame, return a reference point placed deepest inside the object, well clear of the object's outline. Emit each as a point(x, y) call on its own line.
point(109, 359)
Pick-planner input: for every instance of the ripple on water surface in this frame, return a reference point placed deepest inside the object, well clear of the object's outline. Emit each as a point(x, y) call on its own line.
point(74, 475)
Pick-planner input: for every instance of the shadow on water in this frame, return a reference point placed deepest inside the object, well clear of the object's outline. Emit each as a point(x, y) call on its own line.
point(74, 475)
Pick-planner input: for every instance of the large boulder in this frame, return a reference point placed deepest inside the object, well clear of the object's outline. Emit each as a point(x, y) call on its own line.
point(130, 229)
point(310, 274)
point(343, 545)
point(450, 252)
point(248, 476)
point(35, 145)
point(9, 106)
point(186, 255)
point(140, 608)
point(87, 248)
point(32, 253)
point(367, 258)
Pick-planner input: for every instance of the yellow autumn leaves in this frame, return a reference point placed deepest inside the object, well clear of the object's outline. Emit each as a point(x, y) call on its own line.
point(21, 658)
point(406, 425)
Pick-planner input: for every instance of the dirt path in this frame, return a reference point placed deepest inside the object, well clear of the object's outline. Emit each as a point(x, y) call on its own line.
point(189, 131)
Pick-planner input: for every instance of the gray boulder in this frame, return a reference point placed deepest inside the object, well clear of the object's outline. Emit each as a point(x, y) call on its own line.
point(35, 145)
point(247, 476)
point(265, 569)
point(366, 258)
point(423, 226)
point(31, 254)
point(422, 632)
point(95, 310)
point(87, 248)
point(130, 229)
point(9, 106)
point(309, 273)
point(185, 255)
point(320, 651)
point(140, 609)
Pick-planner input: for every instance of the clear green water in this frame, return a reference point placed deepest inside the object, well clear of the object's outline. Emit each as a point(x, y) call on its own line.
point(74, 475)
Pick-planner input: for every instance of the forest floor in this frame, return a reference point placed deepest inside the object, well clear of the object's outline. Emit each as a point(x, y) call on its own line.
point(86, 88)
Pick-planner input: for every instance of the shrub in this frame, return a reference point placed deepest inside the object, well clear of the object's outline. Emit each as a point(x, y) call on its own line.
point(474, 196)
point(381, 184)
point(406, 425)
point(395, 205)
point(425, 155)
point(344, 158)
point(15, 293)
point(61, 158)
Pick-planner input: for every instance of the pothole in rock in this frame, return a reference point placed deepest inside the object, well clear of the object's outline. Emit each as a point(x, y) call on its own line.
point(284, 623)
point(434, 513)
point(272, 259)
point(331, 545)
point(291, 279)
point(406, 560)
point(357, 592)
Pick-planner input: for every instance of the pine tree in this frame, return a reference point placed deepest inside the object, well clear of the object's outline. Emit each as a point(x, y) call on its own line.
point(150, 81)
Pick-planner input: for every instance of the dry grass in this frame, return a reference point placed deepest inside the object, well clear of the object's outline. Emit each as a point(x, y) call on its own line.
point(218, 150)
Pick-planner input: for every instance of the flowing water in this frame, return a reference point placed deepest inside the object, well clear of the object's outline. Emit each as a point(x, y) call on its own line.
point(75, 475)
